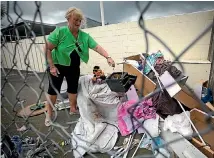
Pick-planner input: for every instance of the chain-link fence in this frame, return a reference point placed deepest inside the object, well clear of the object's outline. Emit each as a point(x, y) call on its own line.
point(21, 88)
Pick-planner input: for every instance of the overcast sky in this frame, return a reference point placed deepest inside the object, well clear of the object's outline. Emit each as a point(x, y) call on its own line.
point(115, 11)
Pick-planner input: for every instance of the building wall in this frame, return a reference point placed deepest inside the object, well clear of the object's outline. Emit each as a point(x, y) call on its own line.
point(126, 39)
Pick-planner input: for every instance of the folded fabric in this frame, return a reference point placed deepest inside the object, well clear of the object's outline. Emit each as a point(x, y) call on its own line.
point(165, 105)
point(162, 67)
point(152, 59)
point(162, 101)
point(179, 123)
point(127, 122)
point(145, 109)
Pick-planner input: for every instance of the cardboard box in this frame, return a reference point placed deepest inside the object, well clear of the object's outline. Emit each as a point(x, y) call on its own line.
point(149, 85)
point(198, 118)
point(184, 96)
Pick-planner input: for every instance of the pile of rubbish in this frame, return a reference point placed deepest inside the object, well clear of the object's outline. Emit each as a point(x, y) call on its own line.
point(113, 106)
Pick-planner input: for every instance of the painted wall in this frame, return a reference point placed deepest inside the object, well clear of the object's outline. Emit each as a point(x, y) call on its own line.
point(126, 39)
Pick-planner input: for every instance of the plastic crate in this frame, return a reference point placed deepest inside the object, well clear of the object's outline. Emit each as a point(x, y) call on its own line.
point(120, 81)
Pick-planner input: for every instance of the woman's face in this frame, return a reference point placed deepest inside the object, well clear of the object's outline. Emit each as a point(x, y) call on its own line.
point(75, 21)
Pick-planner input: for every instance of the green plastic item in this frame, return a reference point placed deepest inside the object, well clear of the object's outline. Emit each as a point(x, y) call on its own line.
point(37, 106)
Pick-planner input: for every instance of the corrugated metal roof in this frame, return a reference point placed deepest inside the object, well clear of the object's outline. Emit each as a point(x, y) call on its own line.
point(24, 32)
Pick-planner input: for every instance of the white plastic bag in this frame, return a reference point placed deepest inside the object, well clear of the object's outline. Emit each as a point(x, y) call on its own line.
point(178, 123)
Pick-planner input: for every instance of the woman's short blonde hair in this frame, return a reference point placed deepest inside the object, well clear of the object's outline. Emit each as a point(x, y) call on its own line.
point(75, 11)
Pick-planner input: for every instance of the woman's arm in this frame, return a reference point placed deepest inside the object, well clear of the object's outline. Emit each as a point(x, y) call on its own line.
point(102, 52)
point(48, 49)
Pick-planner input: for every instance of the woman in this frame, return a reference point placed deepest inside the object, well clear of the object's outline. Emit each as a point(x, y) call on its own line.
point(65, 47)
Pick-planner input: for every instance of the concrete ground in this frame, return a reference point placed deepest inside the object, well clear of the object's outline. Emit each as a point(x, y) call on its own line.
point(25, 93)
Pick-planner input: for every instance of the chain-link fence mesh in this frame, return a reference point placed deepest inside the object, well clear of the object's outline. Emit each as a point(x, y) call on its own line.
point(22, 85)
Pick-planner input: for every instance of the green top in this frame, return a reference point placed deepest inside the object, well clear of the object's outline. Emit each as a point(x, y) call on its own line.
point(65, 43)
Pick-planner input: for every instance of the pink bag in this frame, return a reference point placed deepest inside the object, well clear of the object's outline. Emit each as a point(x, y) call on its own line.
point(124, 117)
point(128, 124)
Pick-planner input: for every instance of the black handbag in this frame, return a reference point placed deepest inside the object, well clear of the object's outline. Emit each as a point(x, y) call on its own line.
point(120, 81)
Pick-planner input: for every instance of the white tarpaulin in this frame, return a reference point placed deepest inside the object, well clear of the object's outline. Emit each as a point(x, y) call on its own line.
point(91, 133)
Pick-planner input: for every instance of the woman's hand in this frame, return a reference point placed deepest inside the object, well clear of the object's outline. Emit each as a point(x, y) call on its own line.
point(54, 71)
point(111, 62)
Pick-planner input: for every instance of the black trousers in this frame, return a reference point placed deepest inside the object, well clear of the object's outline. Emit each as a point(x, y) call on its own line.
point(71, 74)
